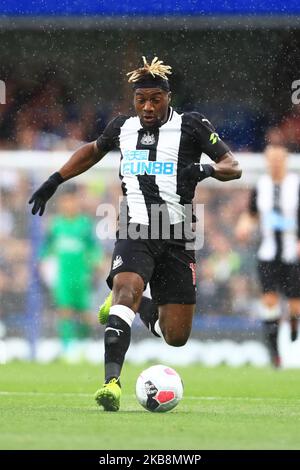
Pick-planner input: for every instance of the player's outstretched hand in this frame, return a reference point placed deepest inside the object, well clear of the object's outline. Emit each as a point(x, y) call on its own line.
point(43, 194)
point(191, 175)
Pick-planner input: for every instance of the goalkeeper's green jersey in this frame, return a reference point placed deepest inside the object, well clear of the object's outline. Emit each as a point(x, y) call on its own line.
point(71, 241)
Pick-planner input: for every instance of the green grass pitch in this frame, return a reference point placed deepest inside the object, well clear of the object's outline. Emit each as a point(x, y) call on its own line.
point(52, 407)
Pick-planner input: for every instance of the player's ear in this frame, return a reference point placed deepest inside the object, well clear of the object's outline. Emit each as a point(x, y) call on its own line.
point(169, 97)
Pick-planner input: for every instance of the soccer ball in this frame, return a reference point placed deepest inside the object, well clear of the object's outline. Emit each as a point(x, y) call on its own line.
point(159, 388)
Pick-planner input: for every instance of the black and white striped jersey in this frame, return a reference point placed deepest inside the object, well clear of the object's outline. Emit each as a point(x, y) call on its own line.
point(152, 159)
point(278, 208)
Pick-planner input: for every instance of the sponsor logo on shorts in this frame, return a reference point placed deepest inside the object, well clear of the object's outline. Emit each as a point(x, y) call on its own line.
point(117, 262)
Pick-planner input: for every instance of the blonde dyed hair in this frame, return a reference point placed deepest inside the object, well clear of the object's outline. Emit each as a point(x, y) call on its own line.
point(156, 69)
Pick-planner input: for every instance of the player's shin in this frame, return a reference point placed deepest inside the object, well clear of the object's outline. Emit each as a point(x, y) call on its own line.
point(117, 339)
point(270, 317)
point(294, 320)
point(294, 314)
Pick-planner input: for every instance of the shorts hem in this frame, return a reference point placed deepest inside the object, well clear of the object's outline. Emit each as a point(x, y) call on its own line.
point(110, 278)
point(174, 301)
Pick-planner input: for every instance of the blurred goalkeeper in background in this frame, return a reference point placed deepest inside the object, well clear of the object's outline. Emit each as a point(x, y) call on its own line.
point(159, 170)
point(71, 244)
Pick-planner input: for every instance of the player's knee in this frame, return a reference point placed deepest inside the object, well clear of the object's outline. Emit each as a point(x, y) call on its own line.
point(270, 300)
point(176, 340)
point(126, 294)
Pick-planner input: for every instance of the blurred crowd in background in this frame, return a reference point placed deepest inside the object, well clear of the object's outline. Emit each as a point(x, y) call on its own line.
point(47, 117)
point(73, 261)
point(62, 87)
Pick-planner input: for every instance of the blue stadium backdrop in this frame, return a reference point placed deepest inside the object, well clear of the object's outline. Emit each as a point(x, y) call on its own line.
point(144, 7)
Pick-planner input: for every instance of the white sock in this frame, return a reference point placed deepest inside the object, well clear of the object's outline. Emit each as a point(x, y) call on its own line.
point(269, 313)
point(123, 312)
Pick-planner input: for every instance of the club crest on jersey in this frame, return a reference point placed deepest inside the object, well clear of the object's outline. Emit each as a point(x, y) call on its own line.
point(148, 139)
point(136, 162)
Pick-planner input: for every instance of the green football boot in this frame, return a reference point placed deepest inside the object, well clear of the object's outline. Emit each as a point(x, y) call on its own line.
point(109, 395)
point(104, 310)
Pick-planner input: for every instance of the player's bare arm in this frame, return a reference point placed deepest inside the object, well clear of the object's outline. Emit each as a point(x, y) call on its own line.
point(245, 226)
point(83, 159)
point(248, 220)
point(227, 168)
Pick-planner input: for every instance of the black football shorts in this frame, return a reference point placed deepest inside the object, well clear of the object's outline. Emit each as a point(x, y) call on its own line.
point(283, 278)
point(165, 264)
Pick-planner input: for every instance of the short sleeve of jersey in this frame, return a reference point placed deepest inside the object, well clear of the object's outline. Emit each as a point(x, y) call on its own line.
point(109, 139)
point(253, 202)
point(206, 137)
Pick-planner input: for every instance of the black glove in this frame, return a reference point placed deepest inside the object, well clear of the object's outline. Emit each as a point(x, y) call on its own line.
point(195, 172)
point(190, 176)
point(43, 194)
